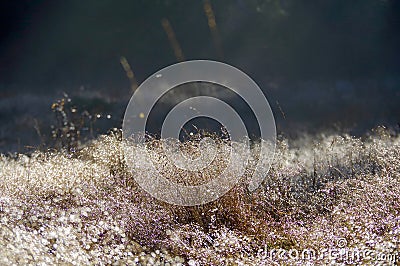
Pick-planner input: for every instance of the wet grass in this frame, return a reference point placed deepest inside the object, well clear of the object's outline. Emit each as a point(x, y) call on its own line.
point(85, 207)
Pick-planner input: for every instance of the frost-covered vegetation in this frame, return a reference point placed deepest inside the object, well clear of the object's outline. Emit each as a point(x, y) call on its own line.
point(85, 208)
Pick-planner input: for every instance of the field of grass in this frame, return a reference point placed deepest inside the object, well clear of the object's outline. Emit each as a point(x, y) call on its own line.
point(322, 193)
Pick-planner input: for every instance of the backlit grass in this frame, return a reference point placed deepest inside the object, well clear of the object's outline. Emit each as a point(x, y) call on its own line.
point(85, 208)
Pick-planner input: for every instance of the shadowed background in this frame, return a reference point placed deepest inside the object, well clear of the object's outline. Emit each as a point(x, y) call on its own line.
point(324, 65)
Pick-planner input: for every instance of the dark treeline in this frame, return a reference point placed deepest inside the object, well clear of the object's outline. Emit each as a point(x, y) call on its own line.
point(47, 44)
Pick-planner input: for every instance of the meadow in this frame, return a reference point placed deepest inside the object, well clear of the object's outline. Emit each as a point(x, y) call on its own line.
point(69, 196)
point(323, 193)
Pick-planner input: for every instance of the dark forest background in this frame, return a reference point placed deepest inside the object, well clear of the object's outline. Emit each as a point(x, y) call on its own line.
point(324, 65)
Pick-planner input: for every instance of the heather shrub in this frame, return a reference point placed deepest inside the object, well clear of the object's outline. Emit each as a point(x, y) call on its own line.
point(86, 208)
